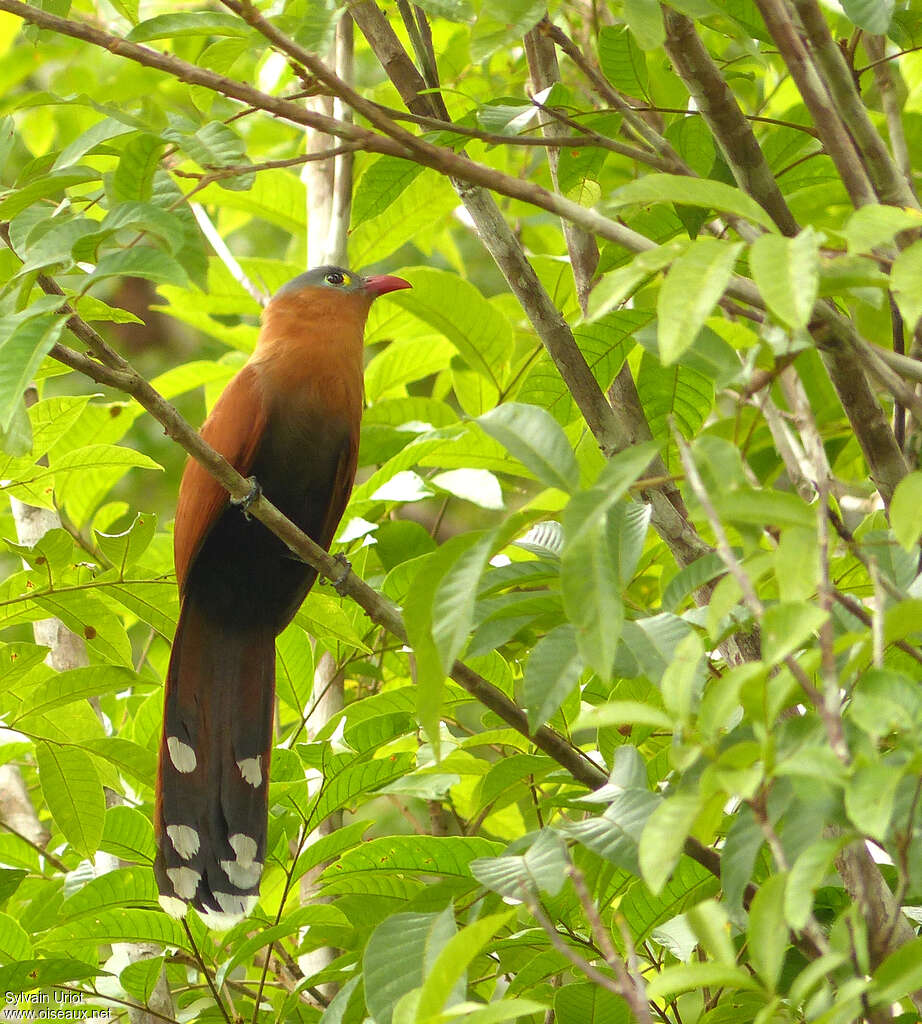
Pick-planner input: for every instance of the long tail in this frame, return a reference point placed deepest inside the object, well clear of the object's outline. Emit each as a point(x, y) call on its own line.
point(213, 778)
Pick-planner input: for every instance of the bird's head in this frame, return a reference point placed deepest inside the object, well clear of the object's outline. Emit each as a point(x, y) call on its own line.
point(329, 280)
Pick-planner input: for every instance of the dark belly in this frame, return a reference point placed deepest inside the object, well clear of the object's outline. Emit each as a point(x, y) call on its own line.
point(243, 574)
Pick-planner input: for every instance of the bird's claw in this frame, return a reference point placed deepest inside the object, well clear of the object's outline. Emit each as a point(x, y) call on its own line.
point(247, 500)
point(340, 580)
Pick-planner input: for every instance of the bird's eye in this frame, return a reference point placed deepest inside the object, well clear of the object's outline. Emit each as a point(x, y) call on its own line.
point(335, 278)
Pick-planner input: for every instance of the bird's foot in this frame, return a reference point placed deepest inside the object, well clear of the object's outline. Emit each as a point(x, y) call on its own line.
point(340, 580)
point(247, 500)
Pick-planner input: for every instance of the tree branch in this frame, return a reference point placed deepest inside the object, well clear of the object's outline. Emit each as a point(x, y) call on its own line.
point(884, 74)
point(835, 138)
point(584, 253)
point(733, 133)
point(889, 182)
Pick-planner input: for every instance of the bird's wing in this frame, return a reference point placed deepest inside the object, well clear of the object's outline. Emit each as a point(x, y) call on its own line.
point(234, 429)
point(341, 489)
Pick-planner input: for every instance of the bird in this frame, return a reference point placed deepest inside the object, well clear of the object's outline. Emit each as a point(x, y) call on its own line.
point(289, 421)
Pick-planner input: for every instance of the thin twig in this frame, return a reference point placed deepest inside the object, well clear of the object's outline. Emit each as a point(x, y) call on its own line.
point(225, 255)
point(633, 990)
point(583, 965)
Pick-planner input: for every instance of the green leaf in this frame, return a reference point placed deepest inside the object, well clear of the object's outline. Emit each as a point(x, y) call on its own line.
point(138, 763)
point(122, 887)
point(683, 680)
point(450, 965)
point(95, 310)
point(767, 933)
point(139, 979)
point(25, 340)
point(503, 780)
point(397, 956)
point(553, 669)
point(899, 975)
point(17, 440)
point(418, 615)
point(76, 684)
point(806, 875)
point(695, 282)
point(133, 179)
point(197, 23)
point(904, 511)
point(32, 975)
point(451, 10)
point(127, 216)
point(502, 1010)
point(89, 617)
point(664, 836)
point(870, 794)
point(348, 1001)
point(446, 856)
point(871, 15)
point(621, 283)
point(409, 212)
point(14, 940)
point(703, 192)
point(74, 795)
point(358, 778)
point(500, 21)
point(589, 1003)
point(877, 225)
point(294, 670)
point(478, 330)
point(141, 261)
point(623, 712)
point(119, 924)
point(645, 20)
point(330, 847)
point(595, 567)
point(615, 835)
point(276, 196)
point(325, 619)
point(213, 146)
point(125, 548)
point(10, 880)
point(128, 835)
point(711, 924)
point(14, 201)
point(687, 977)
point(787, 625)
point(787, 272)
point(623, 62)
point(906, 284)
point(534, 437)
point(541, 869)
point(744, 840)
point(763, 508)
point(380, 185)
point(453, 601)
point(674, 398)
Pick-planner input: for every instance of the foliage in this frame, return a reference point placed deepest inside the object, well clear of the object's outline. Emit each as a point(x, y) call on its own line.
point(707, 593)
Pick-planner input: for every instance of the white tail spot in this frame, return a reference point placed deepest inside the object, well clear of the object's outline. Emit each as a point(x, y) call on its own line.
point(234, 905)
point(243, 876)
point(219, 922)
point(244, 872)
point(244, 847)
point(174, 907)
point(185, 881)
point(181, 754)
point(251, 770)
point(185, 840)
